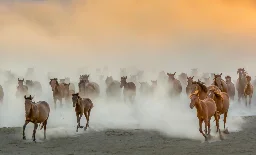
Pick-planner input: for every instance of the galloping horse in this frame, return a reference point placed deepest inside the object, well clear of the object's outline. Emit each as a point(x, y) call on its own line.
point(248, 90)
point(189, 85)
point(175, 87)
point(82, 106)
point(205, 110)
point(21, 89)
point(231, 88)
point(113, 87)
point(129, 89)
point(240, 83)
point(220, 83)
point(58, 91)
point(36, 113)
point(201, 88)
point(222, 102)
point(87, 88)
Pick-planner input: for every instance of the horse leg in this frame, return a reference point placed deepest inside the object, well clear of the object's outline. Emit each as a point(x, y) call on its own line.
point(61, 105)
point(216, 117)
point(44, 124)
point(200, 129)
point(205, 126)
point(89, 113)
point(209, 126)
point(78, 121)
point(24, 127)
point(225, 120)
point(34, 132)
point(55, 100)
point(245, 96)
point(87, 120)
point(250, 100)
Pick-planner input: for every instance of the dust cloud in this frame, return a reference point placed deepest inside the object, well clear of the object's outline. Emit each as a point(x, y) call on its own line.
point(215, 36)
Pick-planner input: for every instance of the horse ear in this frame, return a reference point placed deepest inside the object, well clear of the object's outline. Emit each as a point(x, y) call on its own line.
point(25, 97)
point(126, 77)
point(220, 74)
point(168, 74)
point(174, 73)
point(192, 77)
point(18, 79)
point(187, 77)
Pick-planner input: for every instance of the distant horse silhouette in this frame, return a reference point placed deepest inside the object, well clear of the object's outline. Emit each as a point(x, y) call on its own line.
point(220, 83)
point(248, 90)
point(175, 87)
point(113, 87)
point(129, 89)
point(231, 88)
point(240, 83)
point(21, 89)
point(57, 90)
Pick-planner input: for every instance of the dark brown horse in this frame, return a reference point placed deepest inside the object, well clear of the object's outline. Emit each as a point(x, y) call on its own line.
point(222, 102)
point(231, 87)
point(220, 83)
point(129, 89)
point(240, 83)
point(113, 87)
point(175, 87)
point(87, 88)
point(83, 106)
point(248, 90)
point(36, 113)
point(1, 94)
point(189, 85)
point(58, 91)
point(21, 89)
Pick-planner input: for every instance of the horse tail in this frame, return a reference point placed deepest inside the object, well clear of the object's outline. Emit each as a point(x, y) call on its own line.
point(43, 124)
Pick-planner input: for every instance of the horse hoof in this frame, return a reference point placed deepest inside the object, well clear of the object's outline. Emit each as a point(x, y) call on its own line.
point(85, 128)
point(24, 138)
point(81, 127)
point(226, 131)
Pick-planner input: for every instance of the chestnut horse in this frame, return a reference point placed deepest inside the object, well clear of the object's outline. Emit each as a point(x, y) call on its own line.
point(189, 85)
point(21, 89)
point(57, 90)
point(175, 87)
point(201, 88)
point(36, 113)
point(248, 90)
point(231, 88)
point(82, 106)
point(240, 83)
point(222, 102)
point(129, 89)
point(87, 88)
point(220, 83)
point(113, 87)
point(206, 109)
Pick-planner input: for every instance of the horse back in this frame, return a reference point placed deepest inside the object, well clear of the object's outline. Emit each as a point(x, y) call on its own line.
point(131, 86)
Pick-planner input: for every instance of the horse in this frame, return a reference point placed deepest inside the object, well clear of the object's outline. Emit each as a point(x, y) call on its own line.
point(248, 90)
point(219, 82)
point(202, 89)
point(113, 87)
point(129, 90)
point(82, 106)
point(240, 83)
point(189, 85)
point(21, 89)
point(231, 87)
point(58, 91)
point(34, 86)
point(175, 87)
point(206, 109)
point(1, 94)
point(36, 113)
point(144, 88)
point(87, 88)
point(182, 78)
point(222, 102)
point(71, 86)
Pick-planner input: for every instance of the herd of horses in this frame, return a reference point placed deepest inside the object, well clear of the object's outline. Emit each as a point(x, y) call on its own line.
point(210, 94)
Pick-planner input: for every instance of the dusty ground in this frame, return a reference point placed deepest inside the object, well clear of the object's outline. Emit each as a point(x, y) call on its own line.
point(129, 142)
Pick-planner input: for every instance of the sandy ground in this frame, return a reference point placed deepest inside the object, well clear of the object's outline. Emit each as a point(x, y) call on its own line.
point(129, 142)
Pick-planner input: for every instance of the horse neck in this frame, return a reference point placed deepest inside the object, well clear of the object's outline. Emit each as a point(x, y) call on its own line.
point(199, 107)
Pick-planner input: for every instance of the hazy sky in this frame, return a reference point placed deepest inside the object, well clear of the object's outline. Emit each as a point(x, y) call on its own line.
point(198, 33)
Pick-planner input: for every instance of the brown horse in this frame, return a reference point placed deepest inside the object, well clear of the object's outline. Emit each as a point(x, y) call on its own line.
point(206, 109)
point(36, 113)
point(144, 88)
point(219, 82)
point(240, 83)
point(113, 87)
point(175, 87)
point(201, 88)
point(87, 88)
point(183, 78)
point(21, 89)
point(82, 106)
point(58, 91)
point(1, 94)
point(231, 88)
point(129, 89)
point(189, 85)
point(71, 86)
point(222, 102)
point(248, 90)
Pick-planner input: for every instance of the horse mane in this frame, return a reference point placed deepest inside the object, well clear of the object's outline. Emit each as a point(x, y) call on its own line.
point(201, 84)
